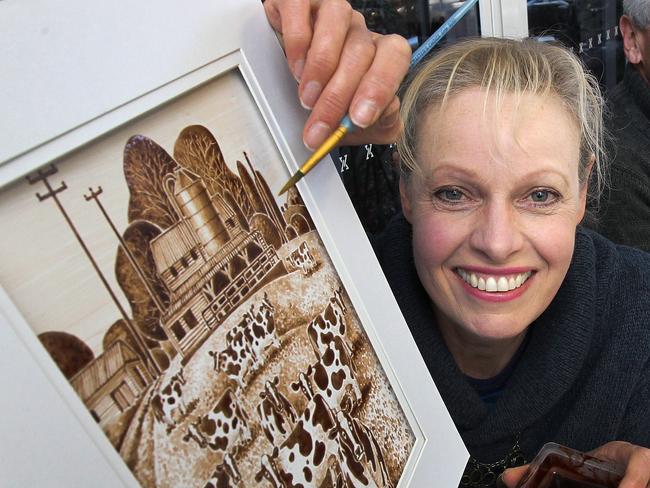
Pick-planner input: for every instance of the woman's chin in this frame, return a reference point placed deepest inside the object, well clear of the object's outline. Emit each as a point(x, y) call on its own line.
point(496, 331)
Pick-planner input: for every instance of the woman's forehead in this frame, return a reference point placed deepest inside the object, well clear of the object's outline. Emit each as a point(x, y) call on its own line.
point(475, 128)
point(503, 107)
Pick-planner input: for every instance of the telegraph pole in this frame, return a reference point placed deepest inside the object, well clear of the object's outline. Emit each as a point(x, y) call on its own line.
point(42, 175)
point(94, 195)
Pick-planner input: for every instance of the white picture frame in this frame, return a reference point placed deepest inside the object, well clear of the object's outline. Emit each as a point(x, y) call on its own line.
point(76, 73)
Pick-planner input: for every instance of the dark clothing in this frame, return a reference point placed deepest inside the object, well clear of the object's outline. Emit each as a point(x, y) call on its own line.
point(584, 376)
point(625, 210)
point(489, 390)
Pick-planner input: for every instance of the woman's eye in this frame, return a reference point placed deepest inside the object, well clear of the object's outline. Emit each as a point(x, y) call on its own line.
point(543, 197)
point(540, 196)
point(450, 194)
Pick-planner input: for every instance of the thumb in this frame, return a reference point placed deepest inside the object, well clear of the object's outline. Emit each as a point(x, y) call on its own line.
point(510, 477)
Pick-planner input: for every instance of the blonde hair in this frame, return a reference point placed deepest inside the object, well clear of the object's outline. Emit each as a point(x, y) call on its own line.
point(506, 66)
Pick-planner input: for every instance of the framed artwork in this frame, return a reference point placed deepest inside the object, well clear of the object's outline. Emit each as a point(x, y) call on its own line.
point(166, 319)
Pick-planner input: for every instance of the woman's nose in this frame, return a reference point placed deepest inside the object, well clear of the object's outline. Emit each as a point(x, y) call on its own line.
point(497, 234)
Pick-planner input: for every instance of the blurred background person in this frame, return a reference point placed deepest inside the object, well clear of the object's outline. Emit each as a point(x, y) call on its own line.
point(625, 209)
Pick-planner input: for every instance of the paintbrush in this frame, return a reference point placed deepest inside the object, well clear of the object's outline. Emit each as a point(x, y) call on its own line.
point(347, 125)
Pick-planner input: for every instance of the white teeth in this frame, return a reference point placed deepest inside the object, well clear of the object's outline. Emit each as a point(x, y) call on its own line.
point(491, 284)
point(473, 280)
point(494, 283)
point(502, 284)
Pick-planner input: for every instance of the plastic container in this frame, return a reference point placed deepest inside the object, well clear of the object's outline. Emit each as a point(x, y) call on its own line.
point(557, 466)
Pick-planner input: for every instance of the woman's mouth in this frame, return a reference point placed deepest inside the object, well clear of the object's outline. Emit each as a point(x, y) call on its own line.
point(493, 283)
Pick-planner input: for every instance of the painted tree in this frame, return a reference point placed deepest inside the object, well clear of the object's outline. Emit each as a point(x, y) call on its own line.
point(250, 188)
point(70, 353)
point(197, 150)
point(146, 314)
point(146, 166)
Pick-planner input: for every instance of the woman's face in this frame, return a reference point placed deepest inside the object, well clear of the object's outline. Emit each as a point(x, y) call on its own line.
point(494, 210)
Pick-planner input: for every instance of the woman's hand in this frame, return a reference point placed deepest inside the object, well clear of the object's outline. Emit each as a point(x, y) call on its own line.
point(342, 67)
point(511, 477)
point(635, 458)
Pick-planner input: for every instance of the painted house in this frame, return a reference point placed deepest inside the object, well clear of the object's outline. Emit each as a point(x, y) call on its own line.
point(111, 382)
point(208, 261)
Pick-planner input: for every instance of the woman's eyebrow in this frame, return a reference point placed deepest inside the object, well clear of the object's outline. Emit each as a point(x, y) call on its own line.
point(452, 169)
point(547, 171)
point(446, 169)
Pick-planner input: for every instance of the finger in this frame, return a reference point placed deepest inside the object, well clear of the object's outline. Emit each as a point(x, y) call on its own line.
point(330, 32)
point(637, 474)
point(292, 18)
point(387, 128)
point(377, 88)
point(273, 14)
point(512, 476)
point(635, 458)
point(333, 103)
point(617, 451)
point(384, 131)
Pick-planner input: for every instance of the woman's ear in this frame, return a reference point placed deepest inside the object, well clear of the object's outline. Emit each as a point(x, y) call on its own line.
point(630, 40)
point(584, 187)
point(404, 197)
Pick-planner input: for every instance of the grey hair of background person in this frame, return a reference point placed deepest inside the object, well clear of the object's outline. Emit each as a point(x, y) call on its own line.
point(503, 67)
point(639, 11)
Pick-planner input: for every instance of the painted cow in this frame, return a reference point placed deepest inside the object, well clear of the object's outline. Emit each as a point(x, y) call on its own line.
point(277, 415)
point(304, 458)
point(232, 336)
point(237, 359)
point(331, 377)
point(328, 324)
point(168, 400)
point(260, 328)
point(360, 456)
point(222, 429)
point(226, 474)
point(302, 259)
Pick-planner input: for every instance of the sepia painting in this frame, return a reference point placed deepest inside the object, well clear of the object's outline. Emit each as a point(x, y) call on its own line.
point(198, 316)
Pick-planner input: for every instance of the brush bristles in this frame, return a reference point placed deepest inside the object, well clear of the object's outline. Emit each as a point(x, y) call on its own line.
point(292, 182)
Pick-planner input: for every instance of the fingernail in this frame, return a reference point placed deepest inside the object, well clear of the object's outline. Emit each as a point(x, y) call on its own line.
point(364, 113)
point(310, 94)
point(316, 134)
point(298, 66)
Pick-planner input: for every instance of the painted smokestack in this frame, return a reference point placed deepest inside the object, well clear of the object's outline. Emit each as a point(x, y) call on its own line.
point(196, 206)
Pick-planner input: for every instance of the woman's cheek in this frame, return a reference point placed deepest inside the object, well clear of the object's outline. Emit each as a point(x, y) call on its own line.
point(434, 239)
point(552, 238)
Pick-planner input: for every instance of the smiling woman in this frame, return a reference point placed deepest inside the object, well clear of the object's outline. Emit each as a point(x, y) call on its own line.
point(534, 329)
point(504, 189)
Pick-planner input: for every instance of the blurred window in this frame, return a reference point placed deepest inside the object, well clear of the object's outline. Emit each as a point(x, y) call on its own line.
point(589, 27)
point(416, 20)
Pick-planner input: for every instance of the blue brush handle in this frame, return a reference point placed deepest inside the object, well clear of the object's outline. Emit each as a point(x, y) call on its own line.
point(428, 45)
point(347, 123)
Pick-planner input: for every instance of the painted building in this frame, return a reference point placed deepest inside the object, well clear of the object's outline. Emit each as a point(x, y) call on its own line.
point(208, 261)
point(111, 382)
